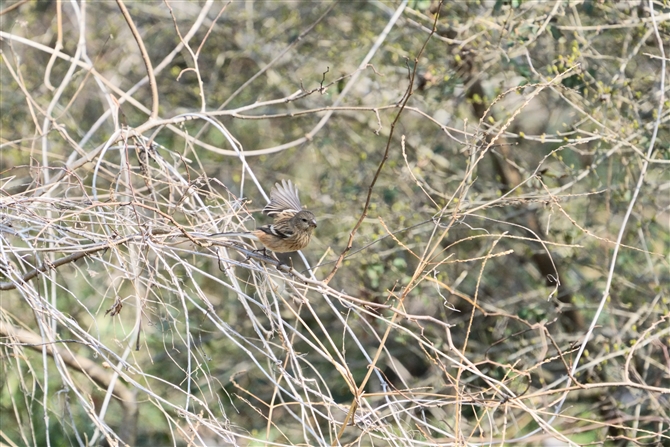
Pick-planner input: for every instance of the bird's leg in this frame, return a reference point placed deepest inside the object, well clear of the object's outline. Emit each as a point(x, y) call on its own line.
point(289, 265)
point(269, 254)
point(262, 251)
point(280, 264)
point(273, 255)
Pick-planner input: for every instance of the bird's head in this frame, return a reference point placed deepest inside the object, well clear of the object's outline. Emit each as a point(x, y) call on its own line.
point(304, 220)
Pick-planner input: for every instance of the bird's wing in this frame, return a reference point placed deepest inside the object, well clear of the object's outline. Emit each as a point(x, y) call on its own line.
point(283, 198)
point(277, 230)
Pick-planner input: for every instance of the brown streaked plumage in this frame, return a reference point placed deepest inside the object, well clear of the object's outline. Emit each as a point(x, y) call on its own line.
point(292, 227)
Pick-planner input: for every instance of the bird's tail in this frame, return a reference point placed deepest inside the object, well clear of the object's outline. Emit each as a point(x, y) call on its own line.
point(246, 234)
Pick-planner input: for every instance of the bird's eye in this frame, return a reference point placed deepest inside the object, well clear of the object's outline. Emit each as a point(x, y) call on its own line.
point(304, 220)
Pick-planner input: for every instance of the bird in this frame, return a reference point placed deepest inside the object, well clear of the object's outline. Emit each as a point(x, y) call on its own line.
point(292, 227)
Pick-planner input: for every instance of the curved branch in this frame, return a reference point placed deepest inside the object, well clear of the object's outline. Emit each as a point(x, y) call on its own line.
point(145, 57)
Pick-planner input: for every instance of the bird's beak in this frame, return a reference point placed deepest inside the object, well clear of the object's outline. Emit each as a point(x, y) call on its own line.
point(313, 223)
